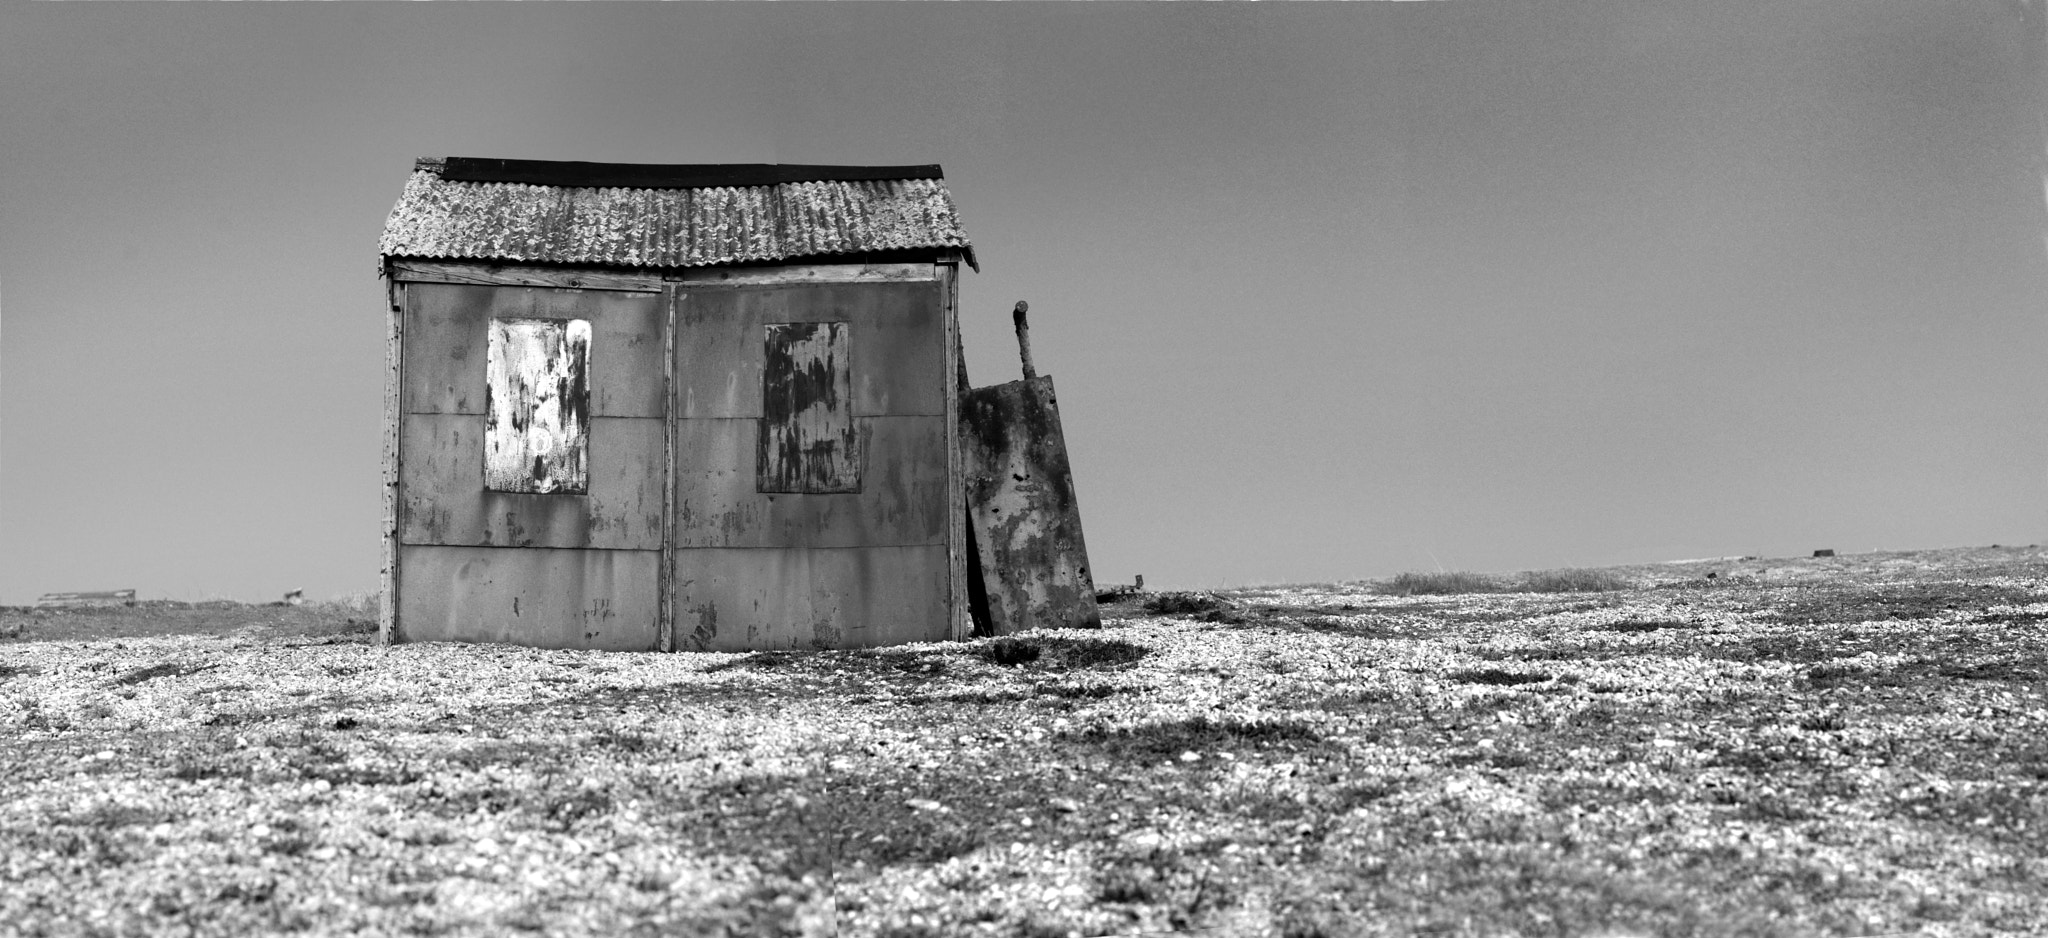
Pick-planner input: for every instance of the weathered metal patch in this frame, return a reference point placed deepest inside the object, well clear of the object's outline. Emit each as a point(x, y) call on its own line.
point(808, 441)
point(537, 407)
point(1025, 520)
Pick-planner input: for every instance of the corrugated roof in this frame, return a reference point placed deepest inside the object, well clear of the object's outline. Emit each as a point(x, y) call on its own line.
point(616, 226)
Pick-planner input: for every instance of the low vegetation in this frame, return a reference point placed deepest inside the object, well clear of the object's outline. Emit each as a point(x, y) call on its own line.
point(1840, 747)
point(1575, 580)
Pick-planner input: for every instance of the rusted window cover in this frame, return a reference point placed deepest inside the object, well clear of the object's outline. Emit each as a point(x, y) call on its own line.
point(808, 440)
point(537, 411)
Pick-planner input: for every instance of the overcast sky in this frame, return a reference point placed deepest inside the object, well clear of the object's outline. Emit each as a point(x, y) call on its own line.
point(1329, 291)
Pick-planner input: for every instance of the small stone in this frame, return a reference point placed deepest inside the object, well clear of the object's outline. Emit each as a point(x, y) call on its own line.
point(1190, 756)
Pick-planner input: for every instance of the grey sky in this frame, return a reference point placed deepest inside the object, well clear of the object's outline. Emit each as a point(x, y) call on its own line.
point(1329, 291)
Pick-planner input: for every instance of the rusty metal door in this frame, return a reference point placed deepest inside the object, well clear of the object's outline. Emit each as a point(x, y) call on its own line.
point(809, 456)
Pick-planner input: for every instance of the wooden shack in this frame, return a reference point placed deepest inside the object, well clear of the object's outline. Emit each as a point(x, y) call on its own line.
point(697, 407)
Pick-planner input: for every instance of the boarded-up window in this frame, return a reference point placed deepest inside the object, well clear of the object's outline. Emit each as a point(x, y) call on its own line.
point(807, 434)
point(537, 410)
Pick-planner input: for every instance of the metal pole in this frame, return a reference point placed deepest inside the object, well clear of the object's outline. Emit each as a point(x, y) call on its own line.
point(1024, 338)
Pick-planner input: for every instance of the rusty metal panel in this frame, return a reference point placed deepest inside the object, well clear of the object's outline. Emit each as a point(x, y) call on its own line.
point(902, 500)
point(447, 330)
point(537, 406)
point(737, 599)
point(691, 227)
point(445, 501)
point(1021, 505)
point(594, 599)
point(898, 361)
point(808, 444)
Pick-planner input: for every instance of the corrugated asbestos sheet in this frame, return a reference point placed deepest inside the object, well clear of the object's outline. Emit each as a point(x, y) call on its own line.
point(613, 227)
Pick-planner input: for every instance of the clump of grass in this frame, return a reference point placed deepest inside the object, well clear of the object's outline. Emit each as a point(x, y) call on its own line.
point(1458, 582)
point(759, 659)
point(1440, 583)
point(166, 669)
point(1497, 677)
point(1093, 652)
point(1201, 733)
point(1572, 580)
point(1009, 652)
point(1173, 604)
point(1645, 625)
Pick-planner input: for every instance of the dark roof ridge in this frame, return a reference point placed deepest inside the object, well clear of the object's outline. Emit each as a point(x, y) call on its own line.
point(582, 175)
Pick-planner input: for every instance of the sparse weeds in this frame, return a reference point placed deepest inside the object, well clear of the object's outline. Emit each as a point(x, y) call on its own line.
point(1067, 652)
point(1441, 583)
point(1497, 677)
point(1458, 582)
point(165, 669)
point(1009, 651)
point(1181, 604)
point(1202, 733)
point(1572, 580)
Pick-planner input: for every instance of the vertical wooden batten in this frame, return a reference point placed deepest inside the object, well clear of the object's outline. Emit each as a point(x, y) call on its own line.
point(394, 410)
point(948, 271)
point(665, 577)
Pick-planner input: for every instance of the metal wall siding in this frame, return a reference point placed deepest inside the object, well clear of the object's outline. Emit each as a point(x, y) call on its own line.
point(597, 599)
point(445, 502)
point(667, 227)
point(762, 570)
point(902, 501)
point(861, 597)
point(898, 354)
point(447, 334)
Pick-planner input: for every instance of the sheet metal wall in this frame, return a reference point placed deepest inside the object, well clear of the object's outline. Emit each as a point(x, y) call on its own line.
point(674, 542)
point(556, 571)
point(768, 570)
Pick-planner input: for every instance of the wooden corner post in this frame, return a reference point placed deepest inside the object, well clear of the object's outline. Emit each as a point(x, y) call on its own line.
point(389, 627)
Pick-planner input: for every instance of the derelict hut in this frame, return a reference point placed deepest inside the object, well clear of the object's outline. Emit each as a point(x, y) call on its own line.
point(643, 407)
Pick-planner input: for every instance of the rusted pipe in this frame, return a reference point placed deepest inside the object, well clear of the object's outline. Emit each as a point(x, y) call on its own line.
point(1024, 338)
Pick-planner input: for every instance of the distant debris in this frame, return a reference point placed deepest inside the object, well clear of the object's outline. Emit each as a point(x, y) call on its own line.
point(103, 598)
point(1729, 559)
point(295, 598)
point(1824, 553)
point(1121, 591)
